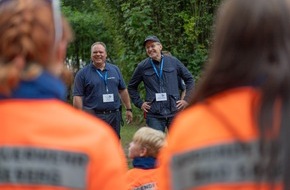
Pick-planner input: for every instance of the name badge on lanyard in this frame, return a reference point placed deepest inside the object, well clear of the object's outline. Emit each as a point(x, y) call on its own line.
point(161, 97)
point(108, 97)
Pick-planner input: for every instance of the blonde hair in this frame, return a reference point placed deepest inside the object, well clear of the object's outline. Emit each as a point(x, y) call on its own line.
point(26, 31)
point(151, 139)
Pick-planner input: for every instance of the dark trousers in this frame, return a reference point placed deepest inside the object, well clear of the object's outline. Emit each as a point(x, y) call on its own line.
point(159, 123)
point(113, 119)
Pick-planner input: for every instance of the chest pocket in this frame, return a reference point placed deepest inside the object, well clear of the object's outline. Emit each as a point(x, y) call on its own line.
point(170, 78)
point(149, 73)
point(165, 72)
point(169, 72)
point(150, 79)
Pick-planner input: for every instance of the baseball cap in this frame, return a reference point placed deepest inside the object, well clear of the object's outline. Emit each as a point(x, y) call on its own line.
point(151, 38)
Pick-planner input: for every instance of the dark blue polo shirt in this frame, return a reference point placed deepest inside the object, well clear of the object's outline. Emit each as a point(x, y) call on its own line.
point(91, 86)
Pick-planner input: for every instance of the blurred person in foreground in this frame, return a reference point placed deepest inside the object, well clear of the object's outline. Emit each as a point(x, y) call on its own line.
point(235, 133)
point(44, 142)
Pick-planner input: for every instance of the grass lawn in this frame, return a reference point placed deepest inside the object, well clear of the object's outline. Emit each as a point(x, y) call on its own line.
point(127, 132)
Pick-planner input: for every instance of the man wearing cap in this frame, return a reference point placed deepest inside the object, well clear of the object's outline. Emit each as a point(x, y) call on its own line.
point(160, 75)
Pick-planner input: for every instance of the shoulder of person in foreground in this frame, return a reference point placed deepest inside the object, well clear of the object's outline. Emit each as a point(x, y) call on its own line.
point(107, 162)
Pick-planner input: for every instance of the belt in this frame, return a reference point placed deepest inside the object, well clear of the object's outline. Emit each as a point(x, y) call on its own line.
point(106, 112)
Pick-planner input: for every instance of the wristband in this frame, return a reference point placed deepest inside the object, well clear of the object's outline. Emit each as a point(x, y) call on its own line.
point(129, 110)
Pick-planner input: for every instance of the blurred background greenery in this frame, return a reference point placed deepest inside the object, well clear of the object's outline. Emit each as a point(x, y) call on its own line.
point(183, 26)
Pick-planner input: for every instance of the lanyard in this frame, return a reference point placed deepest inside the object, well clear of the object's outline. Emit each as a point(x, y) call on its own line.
point(159, 75)
point(160, 72)
point(104, 78)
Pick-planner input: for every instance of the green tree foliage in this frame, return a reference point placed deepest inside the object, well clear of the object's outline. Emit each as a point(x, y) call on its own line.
point(183, 26)
point(90, 24)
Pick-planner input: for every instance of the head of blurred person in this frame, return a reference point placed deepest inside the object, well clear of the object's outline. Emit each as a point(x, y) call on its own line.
point(30, 41)
point(251, 47)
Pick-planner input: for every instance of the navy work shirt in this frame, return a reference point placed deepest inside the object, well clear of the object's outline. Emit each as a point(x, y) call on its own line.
point(91, 86)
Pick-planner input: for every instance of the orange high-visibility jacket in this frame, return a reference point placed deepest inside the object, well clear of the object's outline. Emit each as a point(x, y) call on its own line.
point(214, 146)
point(139, 179)
point(49, 145)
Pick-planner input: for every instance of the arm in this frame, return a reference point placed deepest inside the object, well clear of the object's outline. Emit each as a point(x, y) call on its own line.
point(78, 90)
point(136, 79)
point(124, 95)
point(78, 102)
point(181, 86)
point(182, 95)
point(133, 87)
point(188, 80)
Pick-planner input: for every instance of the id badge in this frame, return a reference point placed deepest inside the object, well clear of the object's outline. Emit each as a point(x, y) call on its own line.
point(108, 97)
point(161, 97)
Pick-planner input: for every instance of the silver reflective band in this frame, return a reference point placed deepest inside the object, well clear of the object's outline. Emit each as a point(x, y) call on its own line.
point(236, 162)
point(57, 21)
point(42, 167)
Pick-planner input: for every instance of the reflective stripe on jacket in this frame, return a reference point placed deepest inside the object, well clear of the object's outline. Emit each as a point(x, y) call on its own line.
point(214, 145)
point(47, 144)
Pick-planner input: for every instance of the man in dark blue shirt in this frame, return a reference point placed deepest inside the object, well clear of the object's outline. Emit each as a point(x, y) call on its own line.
point(161, 75)
point(98, 88)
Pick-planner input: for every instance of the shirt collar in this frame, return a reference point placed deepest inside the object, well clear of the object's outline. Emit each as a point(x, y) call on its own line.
point(144, 162)
point(45, 86)
point(105, 69)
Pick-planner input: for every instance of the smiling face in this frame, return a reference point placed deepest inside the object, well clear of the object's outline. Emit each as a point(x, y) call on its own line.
point(99, 55)
point(153, 50)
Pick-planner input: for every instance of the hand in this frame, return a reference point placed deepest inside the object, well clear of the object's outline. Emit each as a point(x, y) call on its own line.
point(146, 106)
point(181, 104)
point(129, 117)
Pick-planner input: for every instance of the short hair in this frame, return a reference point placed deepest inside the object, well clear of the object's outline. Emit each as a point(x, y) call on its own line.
point(151, 139)
point(99, 43)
